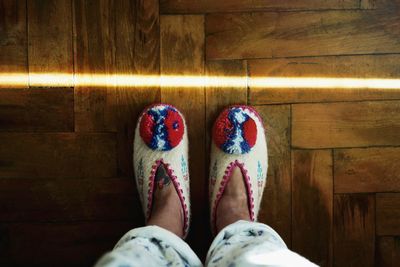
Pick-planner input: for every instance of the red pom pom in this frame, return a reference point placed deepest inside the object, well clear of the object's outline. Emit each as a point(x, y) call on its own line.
point(250, 132)
point(222, 128)
point(175, 126)
point(146, 128)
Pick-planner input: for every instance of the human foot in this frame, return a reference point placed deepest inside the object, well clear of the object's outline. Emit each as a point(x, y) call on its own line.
point(167, 210)
point(233, 205)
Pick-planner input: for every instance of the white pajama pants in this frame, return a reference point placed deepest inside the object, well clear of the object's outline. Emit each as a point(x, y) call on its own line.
point(239, 244)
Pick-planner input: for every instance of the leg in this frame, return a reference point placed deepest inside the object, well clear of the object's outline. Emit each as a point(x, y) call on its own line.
point(159, 243)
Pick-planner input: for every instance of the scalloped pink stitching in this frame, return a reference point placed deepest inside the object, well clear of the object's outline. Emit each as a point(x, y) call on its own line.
point(178, 189)
point(224, 182)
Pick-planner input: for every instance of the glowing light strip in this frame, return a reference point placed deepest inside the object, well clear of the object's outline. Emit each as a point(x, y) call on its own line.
point(127, 80)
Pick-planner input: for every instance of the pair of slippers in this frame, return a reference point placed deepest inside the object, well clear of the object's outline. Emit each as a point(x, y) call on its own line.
point(238, 140)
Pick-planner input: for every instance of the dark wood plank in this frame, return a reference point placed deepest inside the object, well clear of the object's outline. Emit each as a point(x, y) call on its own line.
point(366, 66)
point(388, 214)
point(39, 109)
point(354, 230)
point(233, 36)
point(137, 53)
point(367, 170)
point(388, 251)
point(13, 41)
point(207, 6)
point(60, 244)
point(94, 53)
point(346, 124)
point(50, 39)
point(312, 205)
point(61, 200)
point(182, 53)
point(276, 203)
point(67, 155)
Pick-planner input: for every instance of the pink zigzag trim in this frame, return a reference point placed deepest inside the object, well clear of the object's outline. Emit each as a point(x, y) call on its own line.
point(224, 182)
point(178, 189)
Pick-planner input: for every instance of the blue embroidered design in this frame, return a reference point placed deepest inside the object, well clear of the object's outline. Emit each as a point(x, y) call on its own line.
point(184, 168)
point(235, 143)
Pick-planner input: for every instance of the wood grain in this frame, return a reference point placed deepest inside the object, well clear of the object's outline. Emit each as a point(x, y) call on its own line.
point(182, 52)
point(63, 155)
point(388, 214)
point(312, 205)
point(276, 203)
point(50, 38)
point(207, 6)
point(94, 53)
point(388, 251)
point(365, 66)
point(233, 36)
point(357, 124)
point(61, 244)
point(39, 109)
point(354, 230)
point(137, 44)
point(367, 170)
point(13, 43)
point(61, 200)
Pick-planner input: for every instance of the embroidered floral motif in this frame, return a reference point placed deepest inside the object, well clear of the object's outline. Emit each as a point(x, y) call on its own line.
point(184, 168)
point(260, 179)
point(213, 178)
point(140, 177)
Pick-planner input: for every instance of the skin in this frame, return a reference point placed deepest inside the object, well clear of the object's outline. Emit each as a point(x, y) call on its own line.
point(167, 211)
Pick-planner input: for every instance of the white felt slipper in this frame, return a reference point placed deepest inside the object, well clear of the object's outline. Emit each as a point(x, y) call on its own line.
point(238, 139)
point(161, 138)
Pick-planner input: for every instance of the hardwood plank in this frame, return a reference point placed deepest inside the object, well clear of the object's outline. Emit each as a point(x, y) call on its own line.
point(61, 200)
point(365, 66)
point(208, 6)
point(354, 230)
point(388, 214)
point(312, 205)
point(218, 98)
point(276, 203)
point(39, 109)
point(13, 42)
point(357, 124)
point(182, 53)
point(94, 53)
point(388, 251)
point(137, 53)
point(50, 39)
point(63, 155)
point(61, 244)
point(367, 170)
point(233, 36)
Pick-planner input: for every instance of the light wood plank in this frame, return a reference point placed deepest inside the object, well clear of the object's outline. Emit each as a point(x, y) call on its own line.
point(358, 124)
point(137, 43)
point(50, 39)
point(182, 52)
point(366, 66)
point(312, 205)
point(233, 36)
point(94, 53)
point(13, 41)
point(367, 170)
point(60, 200)
point(354, 230)
point(40, 109)
point(207, 6)
point(388, 214)
point(61, 244)
point(63, 155)
point(388, 251)
point(276, 203)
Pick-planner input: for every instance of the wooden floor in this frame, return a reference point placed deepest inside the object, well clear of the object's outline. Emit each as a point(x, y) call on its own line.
point(67, 190)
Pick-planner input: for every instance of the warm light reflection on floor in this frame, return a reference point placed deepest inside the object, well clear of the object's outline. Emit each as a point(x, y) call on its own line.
point(125, 80)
